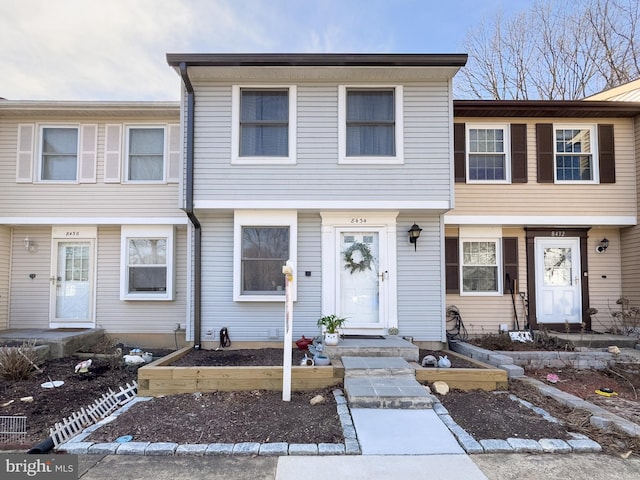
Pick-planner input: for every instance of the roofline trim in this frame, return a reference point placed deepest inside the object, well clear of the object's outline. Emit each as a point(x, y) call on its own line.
point(550, 108)
point(317, 59)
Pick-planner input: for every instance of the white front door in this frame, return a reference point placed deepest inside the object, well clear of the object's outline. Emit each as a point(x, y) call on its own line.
point(558, 280)
point(359, 270)
point(359, 279)
point(72, 284)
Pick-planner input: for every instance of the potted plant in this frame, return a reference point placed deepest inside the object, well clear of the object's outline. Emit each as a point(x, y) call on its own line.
point(330, 324)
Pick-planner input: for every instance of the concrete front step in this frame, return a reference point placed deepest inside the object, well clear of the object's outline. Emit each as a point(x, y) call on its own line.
point(377, 366)
point(390, 346)
point(383, 382)
point(386, 392)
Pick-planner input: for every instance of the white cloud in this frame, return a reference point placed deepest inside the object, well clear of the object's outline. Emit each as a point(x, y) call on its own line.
point(116, 49)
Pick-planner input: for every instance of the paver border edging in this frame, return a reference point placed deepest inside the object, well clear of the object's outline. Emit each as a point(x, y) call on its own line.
point(351, 446)
point(578, 444)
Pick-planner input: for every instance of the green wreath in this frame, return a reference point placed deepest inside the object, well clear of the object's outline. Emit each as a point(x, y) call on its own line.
point(354, 265)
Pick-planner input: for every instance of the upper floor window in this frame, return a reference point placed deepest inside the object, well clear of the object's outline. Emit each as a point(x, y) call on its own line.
point(574, 154)
point(370, 125)
point(263, 125)
point(59, 154)
point(487, 153)
point(145, 154)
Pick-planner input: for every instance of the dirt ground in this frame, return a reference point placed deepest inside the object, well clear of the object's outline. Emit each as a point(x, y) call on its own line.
point(260, 416)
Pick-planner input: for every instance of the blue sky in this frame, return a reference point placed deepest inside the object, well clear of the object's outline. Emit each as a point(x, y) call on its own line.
point(115, 49)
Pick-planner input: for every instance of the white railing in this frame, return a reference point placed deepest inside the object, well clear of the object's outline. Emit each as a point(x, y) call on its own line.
point(71, 426)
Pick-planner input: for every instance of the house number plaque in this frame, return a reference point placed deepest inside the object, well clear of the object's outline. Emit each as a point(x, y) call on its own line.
point(358, 220)
point(558, 233)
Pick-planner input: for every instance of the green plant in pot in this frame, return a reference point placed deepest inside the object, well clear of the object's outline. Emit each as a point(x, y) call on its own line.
point(331, 324)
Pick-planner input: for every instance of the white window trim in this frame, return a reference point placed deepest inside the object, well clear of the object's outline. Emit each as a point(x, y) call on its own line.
point(236, 159)
point(147, 231)
point(481, 234)
point(594, 153)
point(398, 158)
point(506, 128)
point(255, 218)
point(39, 159)
point(165, 148)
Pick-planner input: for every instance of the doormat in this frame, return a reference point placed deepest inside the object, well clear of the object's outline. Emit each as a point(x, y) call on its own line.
point(364, 337)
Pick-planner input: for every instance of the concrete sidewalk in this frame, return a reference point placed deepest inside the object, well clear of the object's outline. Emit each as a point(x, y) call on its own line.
point(369, 467)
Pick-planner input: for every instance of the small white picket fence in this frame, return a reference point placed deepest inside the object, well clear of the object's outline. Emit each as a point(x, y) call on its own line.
point(71, 426)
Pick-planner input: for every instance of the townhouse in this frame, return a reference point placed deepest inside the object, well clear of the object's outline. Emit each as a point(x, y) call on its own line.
point(91, 232)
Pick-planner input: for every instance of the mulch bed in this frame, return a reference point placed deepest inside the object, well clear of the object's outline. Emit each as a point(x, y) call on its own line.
point(260, 416)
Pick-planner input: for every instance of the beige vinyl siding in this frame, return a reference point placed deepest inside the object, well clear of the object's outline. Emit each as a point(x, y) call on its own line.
point(5, 269)
point(251, 321)
point(630, 240)
point(532, 198)
point(484, 314)
point(29, 304)
point(420, 282)
point(317, 174)
point(605, 277)
point(93, 200)
point(117, 316)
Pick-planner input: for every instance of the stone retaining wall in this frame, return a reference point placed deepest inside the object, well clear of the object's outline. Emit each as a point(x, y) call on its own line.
point(515, 362)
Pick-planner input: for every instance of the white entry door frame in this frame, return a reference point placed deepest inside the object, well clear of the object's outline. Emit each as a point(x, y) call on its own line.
point(558, 280)
point(72, 280)
point(366, 296)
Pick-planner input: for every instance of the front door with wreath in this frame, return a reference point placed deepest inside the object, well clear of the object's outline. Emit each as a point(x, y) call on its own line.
point(359, 278)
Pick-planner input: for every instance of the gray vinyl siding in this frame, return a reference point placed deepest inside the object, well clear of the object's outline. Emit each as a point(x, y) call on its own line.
point(93, 200)
point(5, 253)
point(251, 321)
point(420, 281)
point(29, 304)
point(420, 284)
point(317, 174)
point(118, 316)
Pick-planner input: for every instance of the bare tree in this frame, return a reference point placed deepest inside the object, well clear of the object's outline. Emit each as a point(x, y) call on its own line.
point(553, 51)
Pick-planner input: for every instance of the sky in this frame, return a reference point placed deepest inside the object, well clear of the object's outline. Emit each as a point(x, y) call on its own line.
point(116, 49)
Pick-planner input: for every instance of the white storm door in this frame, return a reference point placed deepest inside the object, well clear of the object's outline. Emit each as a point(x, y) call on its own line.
point(72, 284)
point(359, 278)
point(558, 288)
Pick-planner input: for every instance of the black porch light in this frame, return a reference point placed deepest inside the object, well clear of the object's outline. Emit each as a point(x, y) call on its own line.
point(414, 234)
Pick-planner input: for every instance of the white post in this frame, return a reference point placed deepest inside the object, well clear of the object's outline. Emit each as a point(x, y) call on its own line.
point(287, 270)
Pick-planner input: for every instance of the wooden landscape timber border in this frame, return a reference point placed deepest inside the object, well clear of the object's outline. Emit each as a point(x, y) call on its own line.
point(161, 378)
point(485, 377)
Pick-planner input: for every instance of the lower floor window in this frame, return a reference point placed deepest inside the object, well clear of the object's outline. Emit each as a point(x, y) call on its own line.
point(147, 265)
point(265, 250)
point(263, 243)
point(480, 266)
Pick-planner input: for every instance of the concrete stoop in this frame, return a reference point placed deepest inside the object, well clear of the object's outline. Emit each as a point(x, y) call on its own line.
point(389, 346)
point(60, 342)
point(383, 382)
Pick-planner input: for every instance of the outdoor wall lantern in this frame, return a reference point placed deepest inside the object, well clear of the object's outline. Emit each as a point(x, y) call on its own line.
point(414, 234)
point(603, 245)
point(29, 245)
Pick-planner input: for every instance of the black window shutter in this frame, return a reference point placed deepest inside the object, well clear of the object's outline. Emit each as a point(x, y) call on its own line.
point(459, 152)
point(452, 271)
point(518, 153)
point(606, 154)
point(510, 263)
point(545, 152)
